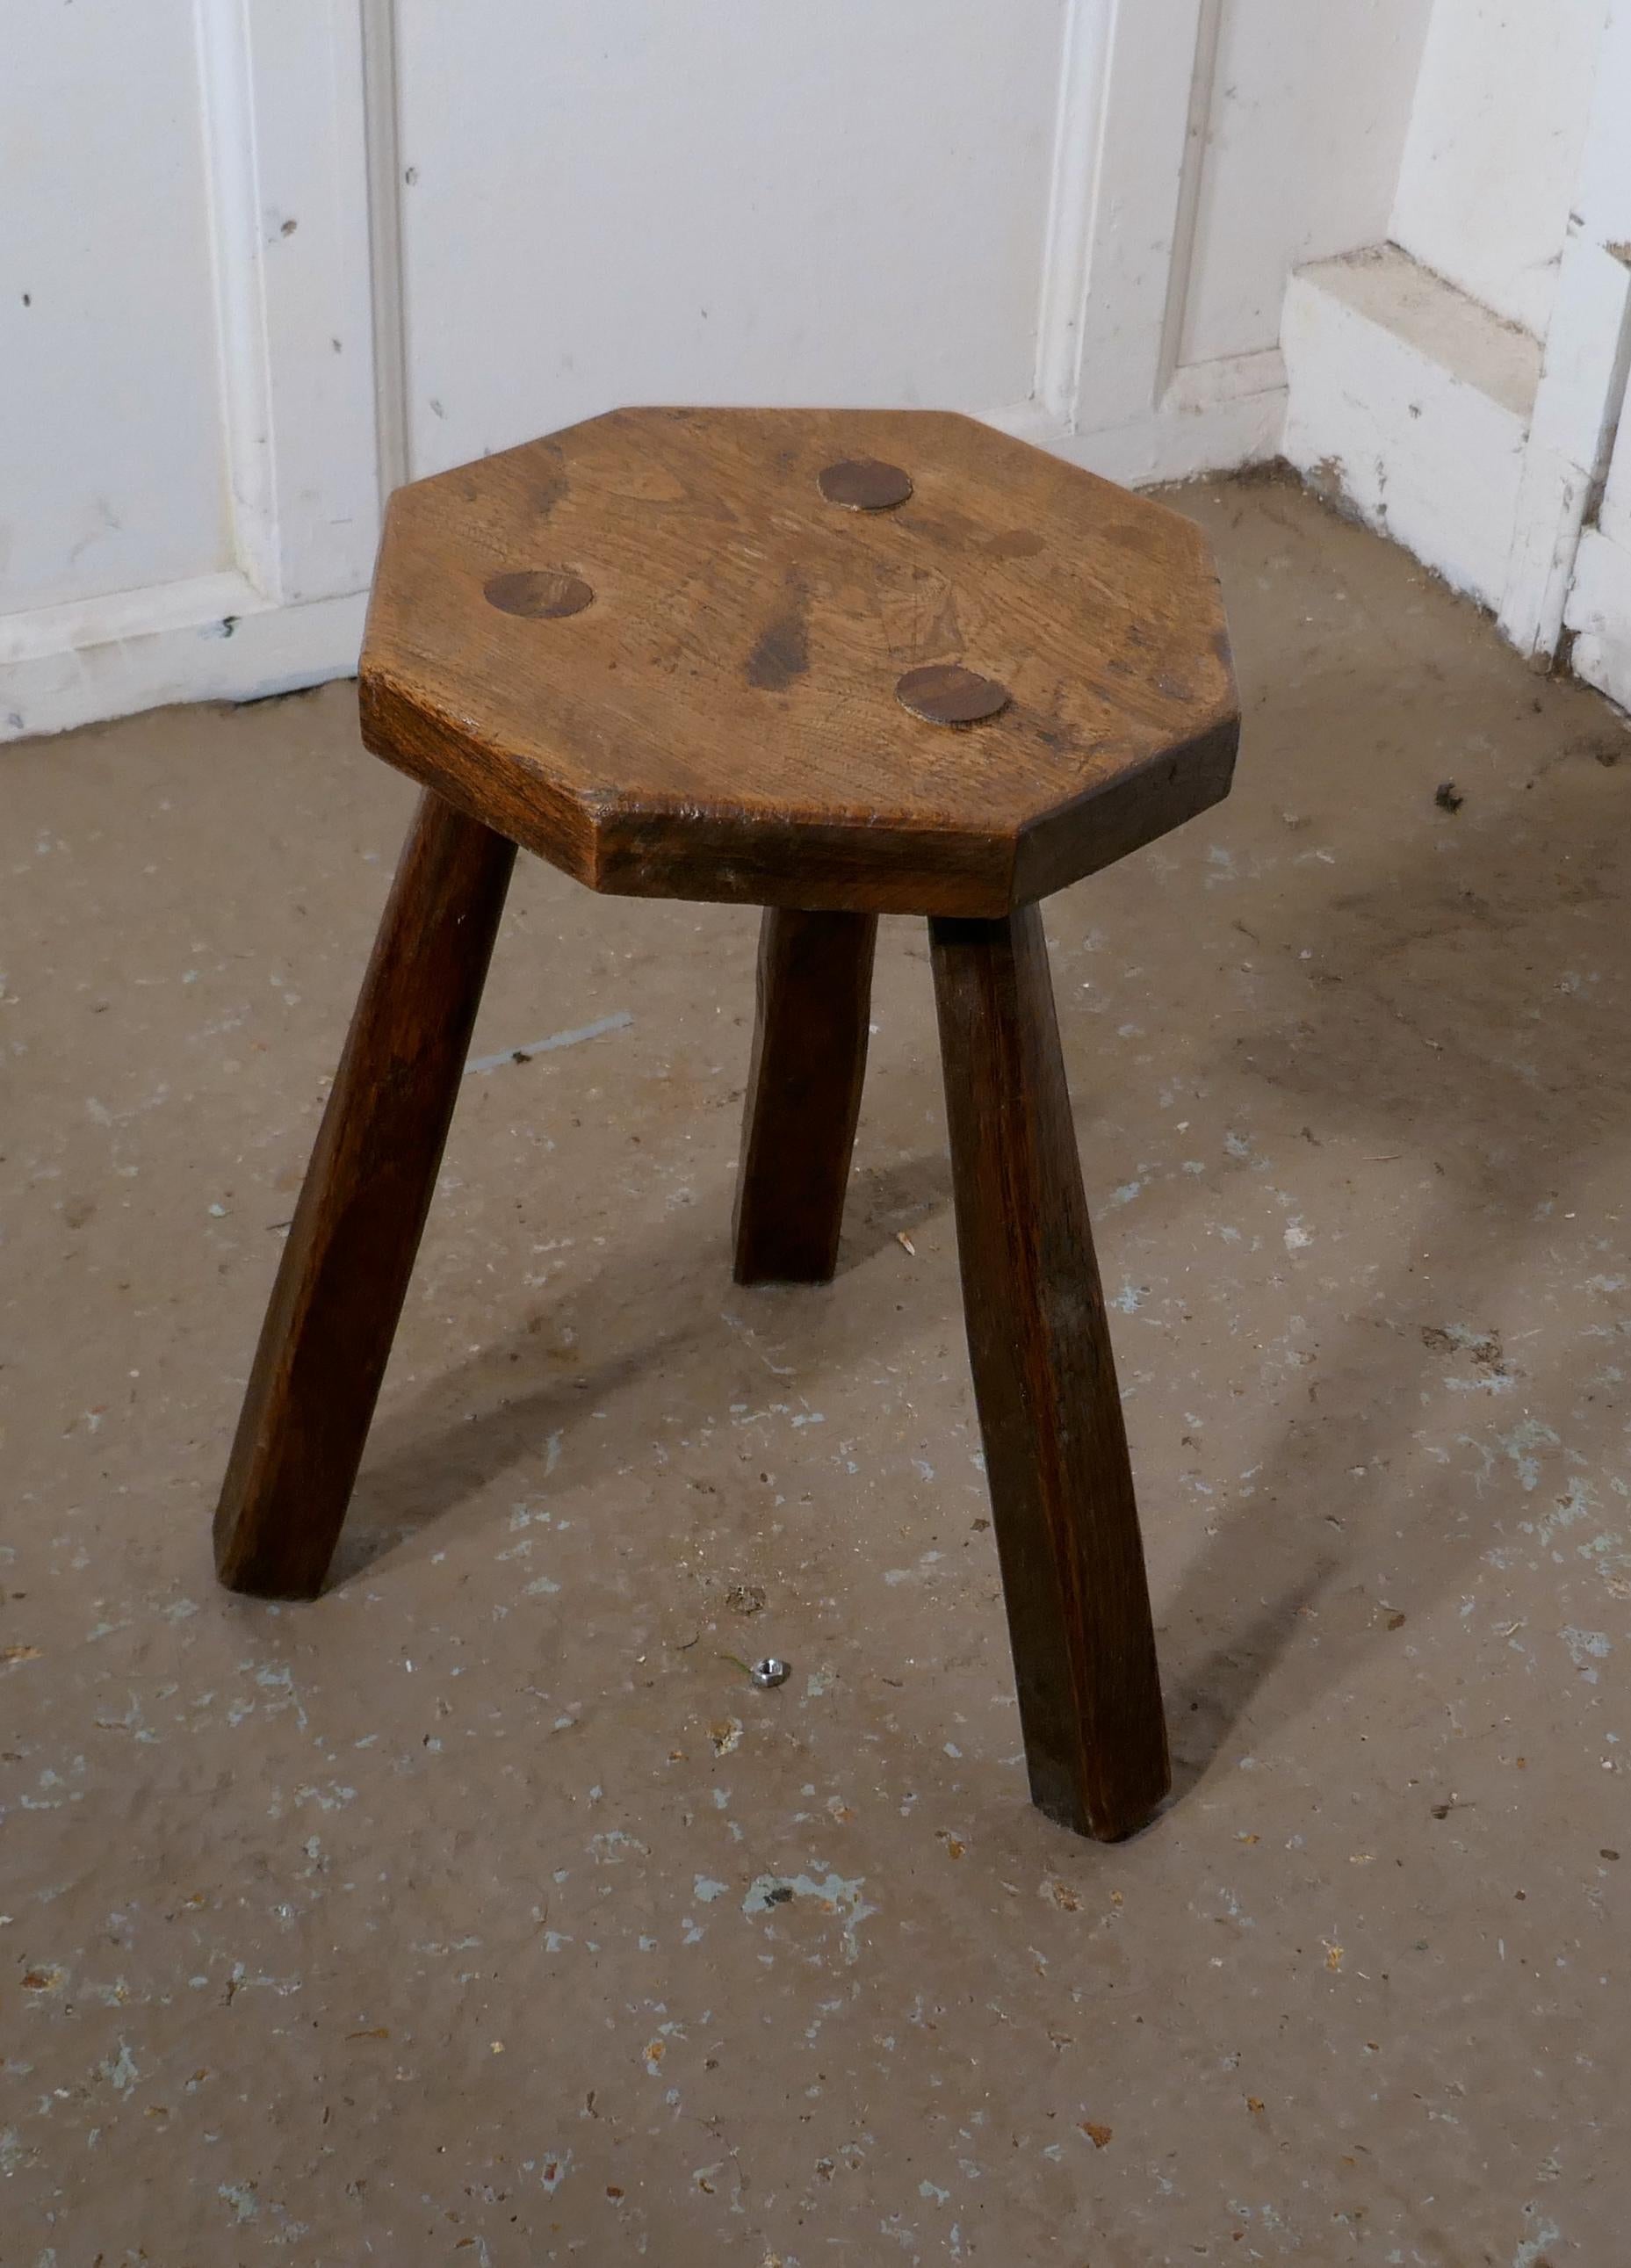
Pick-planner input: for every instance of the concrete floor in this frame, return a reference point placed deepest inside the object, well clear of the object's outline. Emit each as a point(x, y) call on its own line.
point(483, 1911)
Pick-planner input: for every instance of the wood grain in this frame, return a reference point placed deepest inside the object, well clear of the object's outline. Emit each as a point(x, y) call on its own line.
point(1050, 1416)
point(350, 1250)
point(803, 1094)
point(721, 721)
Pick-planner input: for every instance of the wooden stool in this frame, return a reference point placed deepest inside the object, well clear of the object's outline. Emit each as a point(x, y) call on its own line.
point(836, 664)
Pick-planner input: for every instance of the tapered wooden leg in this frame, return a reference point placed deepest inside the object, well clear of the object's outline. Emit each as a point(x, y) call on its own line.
point(350, 1250)
point(1055, 1448)
point(803, 1094)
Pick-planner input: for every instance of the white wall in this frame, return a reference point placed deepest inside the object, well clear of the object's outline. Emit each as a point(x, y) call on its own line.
point(1461, 388)
point(1494, 147)
point(112, 477)
point(1207, 146)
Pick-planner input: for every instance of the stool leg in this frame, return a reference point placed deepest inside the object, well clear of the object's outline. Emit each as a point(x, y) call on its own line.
point(1050, 1417)
point(350, 1251)
point(803, 1094)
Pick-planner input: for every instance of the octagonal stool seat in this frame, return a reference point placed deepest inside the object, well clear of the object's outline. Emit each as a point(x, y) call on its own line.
point(835, 665)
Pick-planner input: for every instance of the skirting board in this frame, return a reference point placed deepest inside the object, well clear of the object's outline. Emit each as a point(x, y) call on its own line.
point(113, 668)
point(1178, 443)
point(1410, 404)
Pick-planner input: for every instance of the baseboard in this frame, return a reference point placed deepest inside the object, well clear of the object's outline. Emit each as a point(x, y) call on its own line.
point(110, 657)
point(1205, 425)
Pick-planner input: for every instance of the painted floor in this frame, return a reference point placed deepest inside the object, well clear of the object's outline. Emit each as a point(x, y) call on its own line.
point(483, 1911)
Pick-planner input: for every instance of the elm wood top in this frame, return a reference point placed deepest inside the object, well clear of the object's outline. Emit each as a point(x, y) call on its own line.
point(720, 717)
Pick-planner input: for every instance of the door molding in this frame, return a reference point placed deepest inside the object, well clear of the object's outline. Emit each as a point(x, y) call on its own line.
point(1112, 391)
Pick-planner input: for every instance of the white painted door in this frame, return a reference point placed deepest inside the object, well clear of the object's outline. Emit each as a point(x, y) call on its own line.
point(188, 484)
point(1073, 217)
point(260, 260)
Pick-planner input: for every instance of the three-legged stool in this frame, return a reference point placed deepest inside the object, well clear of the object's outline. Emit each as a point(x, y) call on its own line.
point(836, 664)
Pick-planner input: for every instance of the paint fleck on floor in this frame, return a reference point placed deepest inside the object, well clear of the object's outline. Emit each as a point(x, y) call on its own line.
point(485, 1911)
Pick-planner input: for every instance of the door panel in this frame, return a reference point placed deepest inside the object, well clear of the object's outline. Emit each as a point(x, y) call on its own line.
point(111, 461)
point(735, 201)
